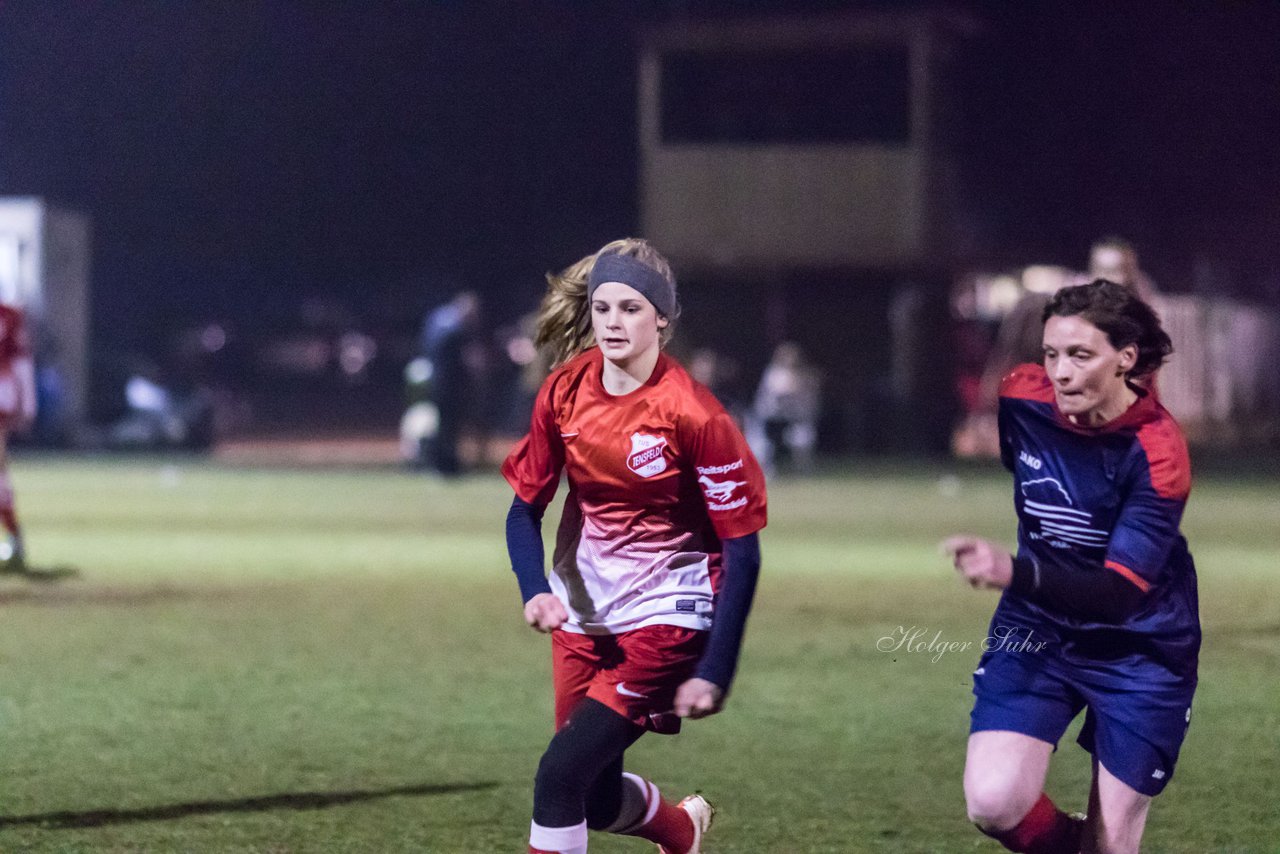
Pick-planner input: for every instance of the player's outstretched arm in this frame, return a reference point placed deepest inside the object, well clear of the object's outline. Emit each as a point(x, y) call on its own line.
point(983, 564)
point(1091, 592)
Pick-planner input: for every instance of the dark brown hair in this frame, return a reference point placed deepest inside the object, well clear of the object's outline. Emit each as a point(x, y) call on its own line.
point(1121, 315)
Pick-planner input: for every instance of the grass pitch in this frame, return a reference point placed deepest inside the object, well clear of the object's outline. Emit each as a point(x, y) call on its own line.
point(334, 661)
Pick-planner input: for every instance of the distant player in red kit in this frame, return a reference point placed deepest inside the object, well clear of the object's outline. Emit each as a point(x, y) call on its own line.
point(657, 555)
point(17, 412)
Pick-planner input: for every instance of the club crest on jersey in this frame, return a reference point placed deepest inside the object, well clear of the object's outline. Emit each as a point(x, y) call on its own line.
point(648, 455)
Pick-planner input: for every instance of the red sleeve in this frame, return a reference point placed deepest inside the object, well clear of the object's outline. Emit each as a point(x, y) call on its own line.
point(533, 467)
point(1027, 382)
point(731, 480)
point(1167, 457)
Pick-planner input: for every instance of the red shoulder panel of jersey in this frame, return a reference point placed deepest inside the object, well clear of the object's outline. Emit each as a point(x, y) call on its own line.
point(1027, 382)
point(564, 379)
point(1167, 457)
point(697, 403)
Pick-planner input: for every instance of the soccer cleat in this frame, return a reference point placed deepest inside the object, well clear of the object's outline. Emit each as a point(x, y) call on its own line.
point(701, 812)
point(12, 557)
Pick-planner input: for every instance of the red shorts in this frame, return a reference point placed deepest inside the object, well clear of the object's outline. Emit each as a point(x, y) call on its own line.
point(635, 673)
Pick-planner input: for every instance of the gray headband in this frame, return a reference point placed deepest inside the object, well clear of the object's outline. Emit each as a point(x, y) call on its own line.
point(642, 277)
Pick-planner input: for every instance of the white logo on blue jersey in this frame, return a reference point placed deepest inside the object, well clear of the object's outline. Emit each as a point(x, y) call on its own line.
point(1051, 505)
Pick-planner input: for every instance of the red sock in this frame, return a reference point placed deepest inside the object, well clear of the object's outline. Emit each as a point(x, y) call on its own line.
point(7, 514)
point(670, 827)
point(663, 823)
point(1044, 830)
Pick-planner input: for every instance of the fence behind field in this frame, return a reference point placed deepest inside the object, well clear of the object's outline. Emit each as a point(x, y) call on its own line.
point(1222, 382)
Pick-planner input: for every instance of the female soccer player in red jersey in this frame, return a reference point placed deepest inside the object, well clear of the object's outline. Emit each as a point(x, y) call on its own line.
point(1099, 609)
point(656, 558)
point(17, 412)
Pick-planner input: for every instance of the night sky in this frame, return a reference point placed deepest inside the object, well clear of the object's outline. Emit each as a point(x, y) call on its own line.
point(236, 157)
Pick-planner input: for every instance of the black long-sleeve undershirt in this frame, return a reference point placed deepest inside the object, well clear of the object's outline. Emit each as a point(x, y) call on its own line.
point(524, 546)
point(1104, 596)
point(733, 604)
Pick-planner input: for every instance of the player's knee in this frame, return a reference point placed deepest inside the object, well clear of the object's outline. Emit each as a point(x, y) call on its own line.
point(993, 804)
point(566, 769)
point(557, 775)
point(602, 809)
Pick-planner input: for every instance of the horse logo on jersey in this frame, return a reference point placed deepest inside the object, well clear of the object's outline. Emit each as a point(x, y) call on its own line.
point(1060, 523)
point(719, 491)
point(647, 457)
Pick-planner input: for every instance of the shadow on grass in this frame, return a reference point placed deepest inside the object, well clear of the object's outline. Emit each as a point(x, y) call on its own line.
point(263, 803)
point(41, 575)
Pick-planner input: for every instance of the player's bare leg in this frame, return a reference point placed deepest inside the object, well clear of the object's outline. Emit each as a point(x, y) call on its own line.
point(1117, 815)
point(1004, 777)
point(1004, 774)
point(12, 555)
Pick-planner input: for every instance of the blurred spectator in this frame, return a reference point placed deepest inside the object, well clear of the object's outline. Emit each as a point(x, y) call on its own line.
point(517, 373)
point(784, 422)
point(1114, 258)
point(52, 425)
point(1018, 340)
point(447, 335)
point(718, 373)
point(162, 413)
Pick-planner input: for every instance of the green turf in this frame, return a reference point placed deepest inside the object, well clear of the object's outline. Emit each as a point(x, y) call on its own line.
point(281, 661)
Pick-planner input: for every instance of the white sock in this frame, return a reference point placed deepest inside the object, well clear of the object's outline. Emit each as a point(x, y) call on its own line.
point(564, 840)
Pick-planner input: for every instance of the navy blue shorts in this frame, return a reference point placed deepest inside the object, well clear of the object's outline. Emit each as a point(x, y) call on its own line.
point(1135, 734)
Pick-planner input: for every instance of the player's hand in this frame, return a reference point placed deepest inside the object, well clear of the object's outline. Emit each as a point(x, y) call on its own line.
point(983, 564)
point(545, 612)
point(697, 698)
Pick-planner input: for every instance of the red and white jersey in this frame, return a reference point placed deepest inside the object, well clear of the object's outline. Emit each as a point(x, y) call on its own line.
point(17, 392)
point(657, 477)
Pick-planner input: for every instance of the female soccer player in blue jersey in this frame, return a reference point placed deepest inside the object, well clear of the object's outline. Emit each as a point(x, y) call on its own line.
point(1099, 609)
point(657, 554)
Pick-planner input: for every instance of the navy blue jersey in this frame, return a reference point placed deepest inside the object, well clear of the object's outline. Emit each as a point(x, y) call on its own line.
point(1106, 499)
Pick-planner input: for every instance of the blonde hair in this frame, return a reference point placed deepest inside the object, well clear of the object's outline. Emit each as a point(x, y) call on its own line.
point(564, 318)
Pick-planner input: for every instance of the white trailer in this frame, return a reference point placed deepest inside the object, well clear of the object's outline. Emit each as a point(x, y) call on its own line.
point(44, 270)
